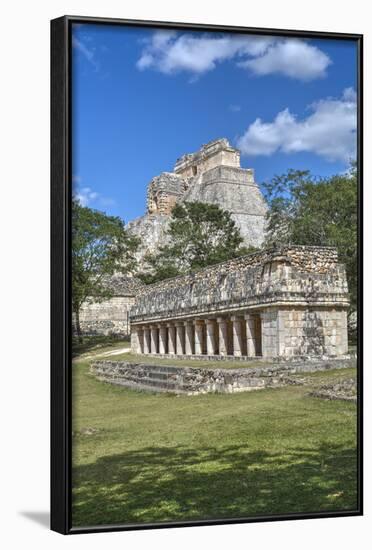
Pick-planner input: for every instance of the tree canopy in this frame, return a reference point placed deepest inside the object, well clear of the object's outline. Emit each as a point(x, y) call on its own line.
point(199, 235)
point(316, 211)
point(100, 246)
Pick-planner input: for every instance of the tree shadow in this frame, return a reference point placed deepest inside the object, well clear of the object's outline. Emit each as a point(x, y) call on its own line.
point(178, 483)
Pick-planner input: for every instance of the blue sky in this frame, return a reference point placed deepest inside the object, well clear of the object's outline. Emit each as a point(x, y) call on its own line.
point(143, 97)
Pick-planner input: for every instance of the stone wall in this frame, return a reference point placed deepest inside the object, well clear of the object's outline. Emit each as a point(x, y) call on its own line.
point(196, 380)
point(308, 332)
point(210, 155)
point(297, 331)
point(163, 193)
point(234, 190)
point(110, 317)
point(343, 390)
point(294, 274)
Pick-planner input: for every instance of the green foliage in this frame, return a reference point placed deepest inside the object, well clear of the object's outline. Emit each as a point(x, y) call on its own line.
point(200, 235)
point(316, 211)
point(100, 245)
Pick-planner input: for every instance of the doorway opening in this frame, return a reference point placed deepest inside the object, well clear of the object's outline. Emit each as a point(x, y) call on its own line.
point(258, 335)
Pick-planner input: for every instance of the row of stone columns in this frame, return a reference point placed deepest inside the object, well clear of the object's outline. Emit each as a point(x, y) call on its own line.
point(187, 337)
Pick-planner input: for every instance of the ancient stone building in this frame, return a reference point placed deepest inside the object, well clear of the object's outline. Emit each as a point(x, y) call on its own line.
point(286, 302)
point(111, 316)
point(211, 175)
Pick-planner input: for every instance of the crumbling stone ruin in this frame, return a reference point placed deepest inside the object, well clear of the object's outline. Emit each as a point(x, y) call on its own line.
point(211, 175)
point(279, 303)
point(195, 380)
point(111, 316)
point(342, 390)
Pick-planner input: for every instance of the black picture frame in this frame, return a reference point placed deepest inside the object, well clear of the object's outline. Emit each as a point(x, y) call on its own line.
point(61, 315)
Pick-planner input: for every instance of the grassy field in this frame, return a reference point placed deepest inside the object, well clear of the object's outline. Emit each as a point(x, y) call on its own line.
point(140, 457)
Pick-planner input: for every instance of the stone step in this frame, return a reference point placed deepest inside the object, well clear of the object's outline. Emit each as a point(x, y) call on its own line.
point(152, 381)
point(147, 385)
point(152, 371)
point(155, 372)
point(162, 368)
point(158, 383)
point(158, 375)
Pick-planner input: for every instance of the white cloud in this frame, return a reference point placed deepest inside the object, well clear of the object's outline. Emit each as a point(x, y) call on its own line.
point(292, 57)
point(329, 131)
point(85, 195)
point(349, 94)
point(170, 52)
point(87, 52)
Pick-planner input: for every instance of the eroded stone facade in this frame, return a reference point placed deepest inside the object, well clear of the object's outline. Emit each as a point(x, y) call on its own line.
point(111, 316)
point(285, 302)
point(211, 175)
point(195, 380)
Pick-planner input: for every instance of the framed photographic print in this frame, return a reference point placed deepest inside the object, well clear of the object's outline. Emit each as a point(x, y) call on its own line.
point(206, 274)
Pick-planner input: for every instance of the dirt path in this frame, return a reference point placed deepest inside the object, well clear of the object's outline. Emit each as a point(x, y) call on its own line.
point(117, 351)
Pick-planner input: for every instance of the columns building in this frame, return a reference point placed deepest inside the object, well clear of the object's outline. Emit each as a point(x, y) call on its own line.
point(283, 302)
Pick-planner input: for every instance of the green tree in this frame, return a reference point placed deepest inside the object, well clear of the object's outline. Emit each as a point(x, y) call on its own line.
point(199, 235)
point(100, 246)
point(316, 211)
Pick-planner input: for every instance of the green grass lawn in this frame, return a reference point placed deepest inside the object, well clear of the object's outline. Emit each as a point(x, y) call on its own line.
point(142, 457)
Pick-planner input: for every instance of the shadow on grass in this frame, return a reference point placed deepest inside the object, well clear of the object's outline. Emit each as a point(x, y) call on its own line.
point(165, 484)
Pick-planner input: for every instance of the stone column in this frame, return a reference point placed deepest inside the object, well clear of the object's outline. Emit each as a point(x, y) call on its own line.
point(189, 338)
point(140, 339)
point(237, 335)
point(211, 343)
point(134, 339)
point(179, 339)
point(282, 326)
point(137, 340)
point(171, 338)
point(270, 331)
point(154, 339)
point(162, 339)
point(222, 336)
point(251, 337)
point(198, 337)
point(146, 340)
point(343, 345)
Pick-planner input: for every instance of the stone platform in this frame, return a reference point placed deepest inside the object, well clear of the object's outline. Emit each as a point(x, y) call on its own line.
point(199, 380)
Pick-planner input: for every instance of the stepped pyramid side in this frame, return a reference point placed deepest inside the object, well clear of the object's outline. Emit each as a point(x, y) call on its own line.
point(211, 175)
